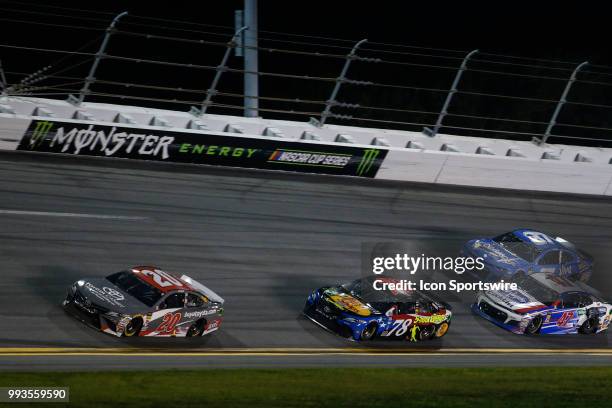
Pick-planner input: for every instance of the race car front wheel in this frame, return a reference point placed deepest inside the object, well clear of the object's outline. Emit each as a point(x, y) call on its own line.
point(133, 327)
point(196, 329)
point(369, 331)
point(441, 329)
point(534, 326)
point(589, 326)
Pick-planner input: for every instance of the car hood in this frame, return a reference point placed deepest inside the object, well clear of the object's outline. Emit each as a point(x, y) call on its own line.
point(495, 254)
point(519, 301)
point(101, 292)
point(346, 302)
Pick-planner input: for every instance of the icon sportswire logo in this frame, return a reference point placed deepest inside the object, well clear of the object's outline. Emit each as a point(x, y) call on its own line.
point(38, 134)
point(368, 159)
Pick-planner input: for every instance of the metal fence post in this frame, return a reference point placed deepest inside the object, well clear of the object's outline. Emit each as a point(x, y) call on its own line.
point(449, 97)
point(332, 100)
point(568, 86)
point(3, 82)
point(220, 69)
point(251, 60)
point(90, 77)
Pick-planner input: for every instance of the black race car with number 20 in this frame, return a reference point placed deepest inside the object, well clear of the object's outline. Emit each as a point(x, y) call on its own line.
point(146, 301)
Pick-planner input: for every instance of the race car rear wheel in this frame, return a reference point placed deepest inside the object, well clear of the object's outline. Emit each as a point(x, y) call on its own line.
point(534, 326)
point(133, 327)
point(369, 331)
point(589, 326)
point(196, 329)
point(441, 329)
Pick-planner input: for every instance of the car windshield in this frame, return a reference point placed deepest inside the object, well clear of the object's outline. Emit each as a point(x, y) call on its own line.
point(539, 291)
point(518, 247)
point(129, 283)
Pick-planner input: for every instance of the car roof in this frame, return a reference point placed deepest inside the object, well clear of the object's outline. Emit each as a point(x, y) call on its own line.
point(160, 279)
point(544, 245)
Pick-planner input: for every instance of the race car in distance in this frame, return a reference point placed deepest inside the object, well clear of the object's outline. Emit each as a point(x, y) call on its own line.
point(545, 304)
point(145, 301)
point(357, 311)
point(525, 251)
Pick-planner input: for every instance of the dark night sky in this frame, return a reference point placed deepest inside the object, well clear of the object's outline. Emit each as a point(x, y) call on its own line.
point(550, 31)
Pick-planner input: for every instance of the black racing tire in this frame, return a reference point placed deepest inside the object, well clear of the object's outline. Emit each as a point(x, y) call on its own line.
point(589, 326)
point(132, 329)
point(426, 332)
point(196, 329)
point(369, 331)
point(441, 329)
point(534, 326)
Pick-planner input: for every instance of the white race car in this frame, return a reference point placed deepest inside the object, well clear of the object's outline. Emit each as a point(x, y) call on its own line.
point(545, 304)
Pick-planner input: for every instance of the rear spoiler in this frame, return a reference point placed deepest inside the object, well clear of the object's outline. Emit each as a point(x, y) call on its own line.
point(201, 288)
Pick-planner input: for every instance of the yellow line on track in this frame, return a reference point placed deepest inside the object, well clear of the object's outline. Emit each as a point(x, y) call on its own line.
point(204, 352)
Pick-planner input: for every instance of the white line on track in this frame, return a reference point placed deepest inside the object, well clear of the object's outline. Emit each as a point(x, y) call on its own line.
point(73, 215)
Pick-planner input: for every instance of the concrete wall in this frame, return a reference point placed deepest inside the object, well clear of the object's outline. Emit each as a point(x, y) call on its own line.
point(497, 171)
point(445, 159)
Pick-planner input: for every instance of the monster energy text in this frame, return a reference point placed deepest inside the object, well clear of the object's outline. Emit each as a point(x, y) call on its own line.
point(74, 140)
point(212, 150)
point(120, 141)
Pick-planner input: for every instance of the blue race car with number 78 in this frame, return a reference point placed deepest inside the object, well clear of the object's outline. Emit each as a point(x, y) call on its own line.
point(359, 312)
point(523, 252)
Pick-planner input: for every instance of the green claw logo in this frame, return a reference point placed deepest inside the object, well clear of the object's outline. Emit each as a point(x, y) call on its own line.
point(368, 159)
point(40, 131)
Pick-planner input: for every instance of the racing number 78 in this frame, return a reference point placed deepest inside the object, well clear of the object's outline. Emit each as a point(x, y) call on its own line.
point(400, 327)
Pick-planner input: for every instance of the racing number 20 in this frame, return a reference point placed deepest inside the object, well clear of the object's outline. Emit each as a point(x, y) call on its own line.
point(162, 278)
point(169, 322)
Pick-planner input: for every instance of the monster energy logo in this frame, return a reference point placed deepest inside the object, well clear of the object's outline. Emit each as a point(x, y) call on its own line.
point(38, 134)
point(368, 159)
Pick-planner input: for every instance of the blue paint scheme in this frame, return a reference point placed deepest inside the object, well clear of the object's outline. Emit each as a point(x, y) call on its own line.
point(386, 322)
point(354, 323)
point(502, 261)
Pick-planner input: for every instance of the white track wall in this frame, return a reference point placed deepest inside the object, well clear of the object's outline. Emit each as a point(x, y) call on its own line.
point(428, 163)
point(497, 172)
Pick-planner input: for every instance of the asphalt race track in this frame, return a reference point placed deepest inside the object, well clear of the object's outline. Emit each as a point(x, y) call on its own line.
point(263, 241)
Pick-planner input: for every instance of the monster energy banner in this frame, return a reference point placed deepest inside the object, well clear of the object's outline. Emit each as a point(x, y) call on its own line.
point(201, 148)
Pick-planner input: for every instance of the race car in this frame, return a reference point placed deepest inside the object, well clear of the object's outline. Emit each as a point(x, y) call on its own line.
point(145, 301)
point(546, 304)
point(360, 311)
point(525, 251)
